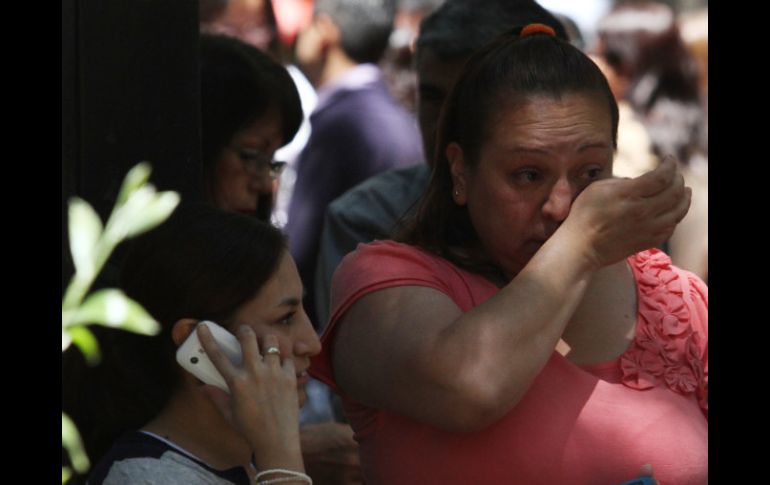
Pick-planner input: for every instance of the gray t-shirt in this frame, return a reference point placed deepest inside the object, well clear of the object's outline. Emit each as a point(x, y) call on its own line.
point(143, 458)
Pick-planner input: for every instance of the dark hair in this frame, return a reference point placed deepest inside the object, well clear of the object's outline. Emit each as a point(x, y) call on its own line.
point(460, 27)
point(239, 84)
point(202, 263)
point(503, 75)
point(210, 10)
point(574, 34)
point(364, 25)
point(641, 41)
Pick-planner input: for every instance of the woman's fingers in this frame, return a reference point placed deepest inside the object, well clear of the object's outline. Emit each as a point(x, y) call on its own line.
point(271, 352)
point(249, 344)
point(217, 357)
point(669, 218)
point(655, 181)
point(288, 368)
point(667, 199)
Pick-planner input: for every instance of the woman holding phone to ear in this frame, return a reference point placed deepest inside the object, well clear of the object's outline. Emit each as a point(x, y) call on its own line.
point(207, 264)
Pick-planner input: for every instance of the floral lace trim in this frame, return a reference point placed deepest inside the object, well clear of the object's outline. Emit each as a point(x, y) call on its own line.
point(667, 349)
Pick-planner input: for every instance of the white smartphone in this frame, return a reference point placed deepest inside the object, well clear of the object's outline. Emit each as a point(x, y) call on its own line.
point(194, 360)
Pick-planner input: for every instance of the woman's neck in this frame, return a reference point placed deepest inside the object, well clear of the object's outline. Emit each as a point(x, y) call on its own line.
point(191, 422)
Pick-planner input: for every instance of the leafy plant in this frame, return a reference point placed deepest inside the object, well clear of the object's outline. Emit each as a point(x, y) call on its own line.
point(138, 208)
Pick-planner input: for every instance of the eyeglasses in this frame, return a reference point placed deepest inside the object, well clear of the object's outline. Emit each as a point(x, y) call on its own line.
point(256, 162)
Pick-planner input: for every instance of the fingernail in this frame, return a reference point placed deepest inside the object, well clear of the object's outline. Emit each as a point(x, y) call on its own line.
point(244, 329)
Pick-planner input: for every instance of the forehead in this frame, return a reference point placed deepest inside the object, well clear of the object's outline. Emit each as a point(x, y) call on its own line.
point(266, 129)
point(549, 122)
point(282, 283)
point(286, 271)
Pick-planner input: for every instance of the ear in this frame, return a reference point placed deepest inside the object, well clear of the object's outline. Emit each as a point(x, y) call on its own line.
point(458, 171)
point(182, 329)
point(328, 30)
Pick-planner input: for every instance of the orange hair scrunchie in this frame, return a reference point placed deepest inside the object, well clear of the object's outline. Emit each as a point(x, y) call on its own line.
point(537, 28)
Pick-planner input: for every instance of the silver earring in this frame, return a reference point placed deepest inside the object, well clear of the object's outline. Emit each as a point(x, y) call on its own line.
point(457, 193)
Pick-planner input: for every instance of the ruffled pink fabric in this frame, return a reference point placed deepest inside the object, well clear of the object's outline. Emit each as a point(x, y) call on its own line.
point(667, 349)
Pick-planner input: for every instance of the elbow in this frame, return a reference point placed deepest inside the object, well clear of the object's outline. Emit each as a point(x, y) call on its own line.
point(475, 404)
point(484, 408)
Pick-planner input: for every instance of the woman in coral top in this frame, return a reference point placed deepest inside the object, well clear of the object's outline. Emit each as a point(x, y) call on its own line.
point(520, 331)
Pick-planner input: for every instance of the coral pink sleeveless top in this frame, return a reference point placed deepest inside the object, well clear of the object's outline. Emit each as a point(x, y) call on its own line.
point(577, 425)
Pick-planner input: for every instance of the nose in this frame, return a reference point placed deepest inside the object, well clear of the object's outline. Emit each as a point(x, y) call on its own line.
point(306, 342)
point(559, 201)
point(261, 182)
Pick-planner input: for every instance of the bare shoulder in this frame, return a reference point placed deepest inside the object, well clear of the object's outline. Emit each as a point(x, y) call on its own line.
point(387, 333)
point(404, 313)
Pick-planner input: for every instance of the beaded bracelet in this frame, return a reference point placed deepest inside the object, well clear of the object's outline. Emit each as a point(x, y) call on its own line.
point(293, 476)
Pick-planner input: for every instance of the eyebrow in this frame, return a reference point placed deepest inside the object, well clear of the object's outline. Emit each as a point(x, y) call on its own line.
point(250, 146)
point(290, 301)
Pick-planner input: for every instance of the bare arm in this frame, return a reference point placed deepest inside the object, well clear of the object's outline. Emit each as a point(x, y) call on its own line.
point(417, 354)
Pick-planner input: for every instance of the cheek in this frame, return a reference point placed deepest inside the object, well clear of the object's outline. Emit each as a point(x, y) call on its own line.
point(501, 205)
point(287, 345)
point(227, 176)
point(261, 330)
point(285, 341)
point(503, 220)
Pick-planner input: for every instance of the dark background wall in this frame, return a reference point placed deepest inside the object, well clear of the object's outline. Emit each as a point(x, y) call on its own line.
point(130, 93)
point(130, 89)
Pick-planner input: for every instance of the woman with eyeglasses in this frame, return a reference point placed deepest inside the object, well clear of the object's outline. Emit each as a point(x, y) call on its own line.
point(249, 108)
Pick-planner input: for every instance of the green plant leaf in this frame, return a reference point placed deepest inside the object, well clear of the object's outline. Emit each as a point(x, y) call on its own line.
point(142, 211)
point(85, 229)
point(66, 340)
point(70, 440)
point(86, 342)
point(154, 212)
point(66, 473)
point(135, 178)
point(112, 308)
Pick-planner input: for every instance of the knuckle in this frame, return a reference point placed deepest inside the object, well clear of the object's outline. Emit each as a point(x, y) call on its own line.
point(239, 381)
point(638, 213)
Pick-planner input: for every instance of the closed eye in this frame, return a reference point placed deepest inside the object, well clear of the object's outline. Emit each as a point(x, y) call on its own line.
point(594, 173)
point(526, 176)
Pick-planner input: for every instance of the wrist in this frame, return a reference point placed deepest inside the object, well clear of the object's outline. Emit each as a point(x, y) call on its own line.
point(571, 250)
point(277, 455)
point(282, 475)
